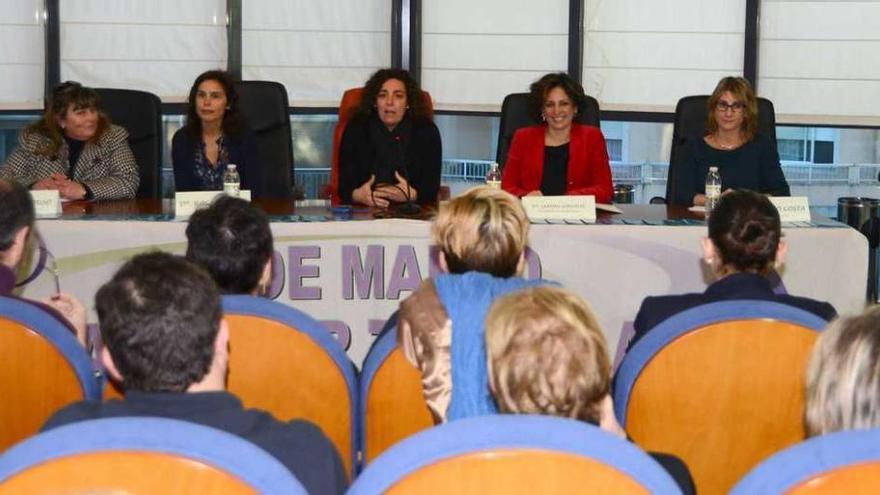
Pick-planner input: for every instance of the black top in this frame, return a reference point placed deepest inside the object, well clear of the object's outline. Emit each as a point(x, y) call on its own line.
point(193, 171)
point(754, 165)
point(299, 445)
point(415, 153)
point(743, 285)
point(74, 150)
point(554, 177)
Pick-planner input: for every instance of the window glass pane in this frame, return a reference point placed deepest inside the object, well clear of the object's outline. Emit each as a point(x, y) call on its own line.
point(476, 53)
point(22, 60)
point(317, 49)
point(158, 46)
point(10, 128)
point(818, 60)
point(649, 60)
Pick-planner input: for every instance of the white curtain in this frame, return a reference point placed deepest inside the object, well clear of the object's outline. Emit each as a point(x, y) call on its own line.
point(819, 61)
point(22, 59)
point(644, 55)
point(474, 53)
point(158, 46)
point(317, 49)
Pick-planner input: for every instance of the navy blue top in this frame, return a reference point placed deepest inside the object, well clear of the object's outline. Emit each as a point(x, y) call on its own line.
point(742, 285)
point(193, 171)
point(754, 166)
point(554, 179)
point(299, 445)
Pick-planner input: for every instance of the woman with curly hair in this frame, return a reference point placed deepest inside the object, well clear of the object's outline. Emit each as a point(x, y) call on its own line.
point(390, 152)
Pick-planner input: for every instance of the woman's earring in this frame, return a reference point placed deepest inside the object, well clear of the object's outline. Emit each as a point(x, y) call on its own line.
point(543, 118)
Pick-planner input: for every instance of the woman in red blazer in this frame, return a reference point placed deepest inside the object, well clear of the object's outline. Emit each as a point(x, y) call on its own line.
point(559, 156)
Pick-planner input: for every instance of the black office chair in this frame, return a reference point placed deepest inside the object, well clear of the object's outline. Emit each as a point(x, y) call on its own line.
point(515, 114)
point(264, 104)
point(690, 123)
point(140, 113)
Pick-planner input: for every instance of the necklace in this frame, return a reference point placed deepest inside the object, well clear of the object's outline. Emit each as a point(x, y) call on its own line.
point(724, 146)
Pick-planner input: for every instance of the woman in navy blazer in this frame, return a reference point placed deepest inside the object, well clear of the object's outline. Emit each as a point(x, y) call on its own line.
point(559, 156)
point(744, 245)
point(214, 136)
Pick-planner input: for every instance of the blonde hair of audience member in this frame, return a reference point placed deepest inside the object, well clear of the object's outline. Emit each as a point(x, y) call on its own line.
point(843, 377)
point(484, 230)
point(546, 354)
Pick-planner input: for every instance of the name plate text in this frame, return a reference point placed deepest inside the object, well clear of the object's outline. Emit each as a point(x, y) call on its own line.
point(542, 208)
point(792, 209)
point(186, 203)
point(47, 203)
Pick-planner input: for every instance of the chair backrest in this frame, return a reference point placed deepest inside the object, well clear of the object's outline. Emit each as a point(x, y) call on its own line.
point(720, 385)
point(690, 123)
point(142, 455)
point(347, 109)
point(43, 369)
point(842, 462)
point(514, 454)
point(140, 113)
point(264, 104)
point(283, 361)
point(515, 115)
point(392, 405)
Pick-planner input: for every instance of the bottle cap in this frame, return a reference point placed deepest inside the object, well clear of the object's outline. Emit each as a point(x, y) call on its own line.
point(713, 169)
point(230, 166)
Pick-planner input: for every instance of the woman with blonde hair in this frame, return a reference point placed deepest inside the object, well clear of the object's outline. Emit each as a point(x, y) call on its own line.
point(546, 354)
point(745, 159)
point(843, 377)
point(482, 237)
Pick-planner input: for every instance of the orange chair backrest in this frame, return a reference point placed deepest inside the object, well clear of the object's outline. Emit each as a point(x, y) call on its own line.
point(35, 381)
point(395, 405)
point(125, 472)
point(518, 471)
point(857, 479)
point(284, 372)
point(723, 398)
point(347, 108)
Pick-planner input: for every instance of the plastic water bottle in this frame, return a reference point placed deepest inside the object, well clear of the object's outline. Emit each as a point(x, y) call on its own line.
point(231, 181)
point(713, 189)
point(493, 177)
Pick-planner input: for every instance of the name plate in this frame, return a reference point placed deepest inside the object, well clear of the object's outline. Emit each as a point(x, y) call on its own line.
point(543, 208)
point(47, 203)
point(792, 209)
point(186, 203)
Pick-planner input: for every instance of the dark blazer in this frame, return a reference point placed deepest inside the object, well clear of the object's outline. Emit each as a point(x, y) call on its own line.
point(656, 309)
point(242, 151)
point(588, 170)
point(754, 166)
point(423, 157)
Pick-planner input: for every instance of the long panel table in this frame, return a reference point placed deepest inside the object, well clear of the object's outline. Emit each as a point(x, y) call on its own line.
point(353, 274)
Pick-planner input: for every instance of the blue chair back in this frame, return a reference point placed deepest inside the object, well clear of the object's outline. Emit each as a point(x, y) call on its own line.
point(201, 448)
point(44, 368)
point(392, 405)
point(719, 381)
point(822, 461)
point(285, 362)
point(488, 454)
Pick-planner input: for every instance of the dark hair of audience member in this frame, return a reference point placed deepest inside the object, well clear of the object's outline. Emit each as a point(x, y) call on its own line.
point(232, 240)
point(415, 100)
point(65, 95)
point(16, 212)
point(232, 118)
point(159, 318)
point(539, 90)
point(745, 229)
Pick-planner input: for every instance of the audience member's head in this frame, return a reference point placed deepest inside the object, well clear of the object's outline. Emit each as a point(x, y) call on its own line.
point(231, 239)
point(843, 377)
point(484, 230)
point(540, 90)
point(16, 221)
point(744, 234)
point(160, 318)
point(738, 89)
point(547, 355)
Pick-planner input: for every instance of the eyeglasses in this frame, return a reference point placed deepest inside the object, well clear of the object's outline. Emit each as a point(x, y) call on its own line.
point(723, 106)
point(46, 261)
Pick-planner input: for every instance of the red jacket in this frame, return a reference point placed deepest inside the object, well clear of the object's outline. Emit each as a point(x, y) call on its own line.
point(588, 169)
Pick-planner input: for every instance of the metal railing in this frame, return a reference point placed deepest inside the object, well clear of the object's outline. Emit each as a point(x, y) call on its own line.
point(311, 180)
